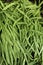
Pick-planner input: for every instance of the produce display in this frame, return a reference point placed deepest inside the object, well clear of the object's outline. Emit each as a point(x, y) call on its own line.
point(21, 32)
